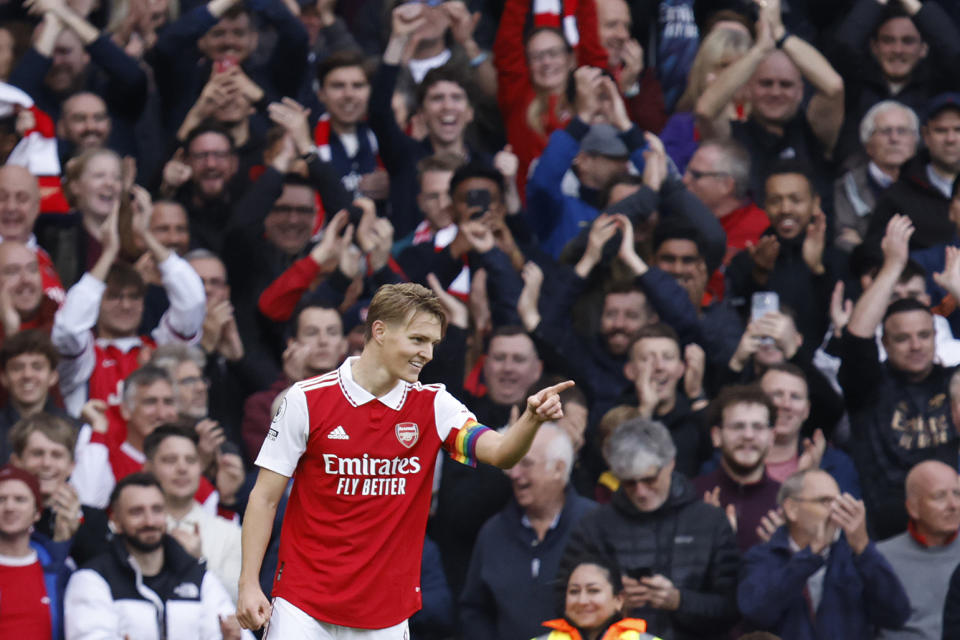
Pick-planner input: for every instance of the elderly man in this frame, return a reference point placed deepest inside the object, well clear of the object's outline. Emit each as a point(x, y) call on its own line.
point(889, 133)
point(820, 576)
point(925, 555)
point(925, 184)
point(679, 554)
point(510, 584)
point(719, 174)
point(19, 208)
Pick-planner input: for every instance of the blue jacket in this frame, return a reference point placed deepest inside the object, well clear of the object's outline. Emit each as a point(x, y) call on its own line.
point(859, 592)
point(53, 558)
point(557, 218)
point(511, 583)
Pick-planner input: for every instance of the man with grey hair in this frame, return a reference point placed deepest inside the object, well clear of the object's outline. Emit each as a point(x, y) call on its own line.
point(819, 575)
point(679, 554)
point(510, 585)
point(889, 133)
point(148, 402)
point(719, 174)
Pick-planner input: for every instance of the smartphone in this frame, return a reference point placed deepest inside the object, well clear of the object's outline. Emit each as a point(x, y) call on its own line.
point(638, 573)
point(762, 303)
point(356, 213)
point(478, 199)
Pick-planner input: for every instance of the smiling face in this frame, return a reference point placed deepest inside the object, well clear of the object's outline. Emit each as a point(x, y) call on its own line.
point(28, 377)
point(681, 259)
point(898, 47)
point(176, 466)
point(775, 89)
point(121, 311)
point(790, 204)
point(151, 406)
point(232, 38)
point(510, 368)
point(289, 224)
point(346, 93)
point(99, 185)
point(50, 461)
point(538, 481)
point(743, 437)
point(624, 314)
point(614, 23)
point(139, 514)
point(18, 509)
point(20, 276)
point(84, 121)
point(446, 111)
point(550, 61)
point(192, 390)
point(660, 357)
point(212, 164)
point(169, 226)
point(19, 203)
point(322, 329)
point(407, 346)
point(590, 600)
point(68, 62)
point(790, 396)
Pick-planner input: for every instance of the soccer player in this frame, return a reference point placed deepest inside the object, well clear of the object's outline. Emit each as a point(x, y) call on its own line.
point(361, 443)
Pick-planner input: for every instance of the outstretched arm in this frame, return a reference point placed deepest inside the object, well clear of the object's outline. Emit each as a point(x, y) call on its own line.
point(505, 449)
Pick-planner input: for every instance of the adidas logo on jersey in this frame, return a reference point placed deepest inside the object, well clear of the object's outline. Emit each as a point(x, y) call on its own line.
point(338, 434)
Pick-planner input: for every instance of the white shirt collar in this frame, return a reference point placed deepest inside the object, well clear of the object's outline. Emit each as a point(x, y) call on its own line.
point(358, 396)
point(419, 68)
point(943, 185)
point(878, 175)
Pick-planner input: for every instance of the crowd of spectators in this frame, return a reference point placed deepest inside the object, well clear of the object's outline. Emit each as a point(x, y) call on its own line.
point(735, 224)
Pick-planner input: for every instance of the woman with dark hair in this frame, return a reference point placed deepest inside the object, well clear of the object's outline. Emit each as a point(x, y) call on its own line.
point(593, 606)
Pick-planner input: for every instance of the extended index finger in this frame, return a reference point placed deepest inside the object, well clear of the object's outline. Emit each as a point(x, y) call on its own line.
point(559, 387)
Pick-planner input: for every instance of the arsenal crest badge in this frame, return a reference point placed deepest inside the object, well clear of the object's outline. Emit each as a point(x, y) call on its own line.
point(407, 433)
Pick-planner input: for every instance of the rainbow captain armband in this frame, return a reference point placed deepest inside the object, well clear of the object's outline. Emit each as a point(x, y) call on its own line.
point(464, 449)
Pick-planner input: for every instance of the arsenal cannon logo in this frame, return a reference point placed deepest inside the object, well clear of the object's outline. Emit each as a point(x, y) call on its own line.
point(407, 433)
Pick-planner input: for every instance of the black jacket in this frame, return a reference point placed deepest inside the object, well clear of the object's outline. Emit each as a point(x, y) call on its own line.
point(913, 196)
point(686, 540)
point(895, 424)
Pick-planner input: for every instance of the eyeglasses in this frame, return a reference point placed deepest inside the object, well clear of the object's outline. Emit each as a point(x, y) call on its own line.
point(696, 175)
point(285, 209)
point(553, 53)
point(900, 131)
point(647, 480)
point(194, 380)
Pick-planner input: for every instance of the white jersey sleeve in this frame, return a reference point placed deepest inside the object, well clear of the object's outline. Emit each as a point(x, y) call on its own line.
point(287, 437)
point(449, 413)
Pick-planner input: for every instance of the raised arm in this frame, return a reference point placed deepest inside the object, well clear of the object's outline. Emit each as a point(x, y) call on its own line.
point(825, 111)
point(869, 309)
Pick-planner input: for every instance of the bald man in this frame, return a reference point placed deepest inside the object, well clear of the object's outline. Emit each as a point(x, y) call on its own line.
point(926, 554)
point(19, 208)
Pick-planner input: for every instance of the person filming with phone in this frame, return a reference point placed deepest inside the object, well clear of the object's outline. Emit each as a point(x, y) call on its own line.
point(678, 554)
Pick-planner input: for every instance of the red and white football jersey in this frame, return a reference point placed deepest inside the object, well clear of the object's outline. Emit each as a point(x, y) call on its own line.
point(353, 531)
